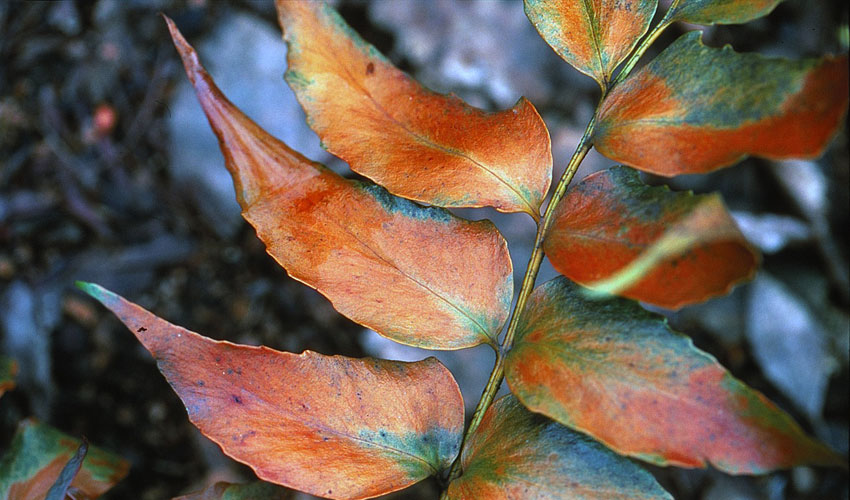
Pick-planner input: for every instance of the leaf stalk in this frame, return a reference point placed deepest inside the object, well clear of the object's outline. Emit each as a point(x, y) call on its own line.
point(498, 373)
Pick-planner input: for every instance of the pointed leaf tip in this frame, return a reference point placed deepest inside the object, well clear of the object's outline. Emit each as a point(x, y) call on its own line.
point(297, 207)
point(331, 426)
point(517, 454)
point(594, 37)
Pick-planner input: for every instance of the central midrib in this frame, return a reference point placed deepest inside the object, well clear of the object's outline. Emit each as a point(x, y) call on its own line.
point(426, 141)
point(414, 280)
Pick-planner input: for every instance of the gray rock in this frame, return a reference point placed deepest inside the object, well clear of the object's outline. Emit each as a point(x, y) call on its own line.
point(789, 344)
point(29, 316)
point(770, 232)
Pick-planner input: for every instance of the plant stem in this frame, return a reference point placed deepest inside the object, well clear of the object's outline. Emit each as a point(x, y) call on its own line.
point(498, 373)
point(653, 35)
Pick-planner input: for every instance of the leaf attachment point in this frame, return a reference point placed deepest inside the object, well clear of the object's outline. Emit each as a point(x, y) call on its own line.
point(330, 426)
point(417, 275)
point(418, 144)
point(655, 396)
point(694, 109)
point(516, 454)
point(616, 235)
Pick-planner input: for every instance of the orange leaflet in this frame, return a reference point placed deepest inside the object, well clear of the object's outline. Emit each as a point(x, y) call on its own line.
point(593, 36)
point(694, 109)
point(38, 454)
point(688, 246)
point(331, 426)
point(418, 144)
point(417, 275)
point(655, 396)
point(516, 454)
point(721, 11)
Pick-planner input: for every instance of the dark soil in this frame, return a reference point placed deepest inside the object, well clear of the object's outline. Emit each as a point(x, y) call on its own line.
point(85, 193)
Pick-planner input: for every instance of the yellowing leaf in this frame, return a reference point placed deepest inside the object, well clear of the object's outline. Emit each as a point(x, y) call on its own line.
point(617, 372)
point(615, 234)
point(593, 36)
point(721, 11)
point(420, 145)
point(694, 109)
point(38, 455)
point(328, 425)
point(516, 454)
point(417, 275)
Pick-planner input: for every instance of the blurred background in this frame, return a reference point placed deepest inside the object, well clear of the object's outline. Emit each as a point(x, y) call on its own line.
point(109, 173)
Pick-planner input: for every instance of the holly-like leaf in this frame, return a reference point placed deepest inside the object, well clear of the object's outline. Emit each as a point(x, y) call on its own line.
point(331, 426)
point(648, 243)
point(617, 372)
point(516, 454)
point(258, 490)
point(694, 109)
point(417, 275)
point(721, 11)
point(39, 453)
point(594, 37)
point(418, 144)
point(8, 371)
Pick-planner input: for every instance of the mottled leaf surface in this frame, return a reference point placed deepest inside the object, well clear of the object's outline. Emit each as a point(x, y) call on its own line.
point(516, 454)
point(594, 36)
point(418, 144)
point(331, 426)
point(417, 275)
point(721, 11)
point(38, 454)
point(8, 371)
point(648, 243)
point(258, 490)
point(694, 109)
point(617, 372)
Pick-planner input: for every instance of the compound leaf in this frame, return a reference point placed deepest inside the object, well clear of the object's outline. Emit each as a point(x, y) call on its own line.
point(417, 275)
point(418, 144)
point(593, 36)
point(519, 454)
point(721, 11)
point(654, 395)
point(8, 371)
point(37, 456)
point(694, 109)
point(331, 426)
point(258, 490)
point(647, 243)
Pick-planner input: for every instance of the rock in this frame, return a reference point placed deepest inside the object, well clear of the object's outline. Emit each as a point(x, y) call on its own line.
point(770, 233)
point(789, 344)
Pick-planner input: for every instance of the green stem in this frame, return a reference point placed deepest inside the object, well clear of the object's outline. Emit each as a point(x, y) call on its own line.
point(498, 373)
point(653, 35)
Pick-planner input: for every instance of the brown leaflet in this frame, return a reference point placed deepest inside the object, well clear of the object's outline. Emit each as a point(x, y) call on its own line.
point(418, 144)
point(331, 426)
point(617, 235)
point(417, 275)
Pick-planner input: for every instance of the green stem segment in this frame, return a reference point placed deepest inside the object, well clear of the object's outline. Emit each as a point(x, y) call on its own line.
point(653, 35)
point(498, 373)
point(584, 145)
